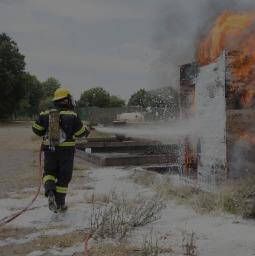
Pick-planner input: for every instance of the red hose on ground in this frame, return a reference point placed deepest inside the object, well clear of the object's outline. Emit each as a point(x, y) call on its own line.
point(12, 217)
point(86, 246)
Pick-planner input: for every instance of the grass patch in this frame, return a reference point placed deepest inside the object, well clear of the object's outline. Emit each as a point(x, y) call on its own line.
point(189, 245)
point(114, 250)
point(235, 198)
point(163, 185)
point(181, 194)
point(15, 233)
point(43, 243)
point(151, 247)
point(79, 167)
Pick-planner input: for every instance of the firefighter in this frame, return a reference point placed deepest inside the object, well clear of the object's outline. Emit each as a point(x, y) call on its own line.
point(63, 123)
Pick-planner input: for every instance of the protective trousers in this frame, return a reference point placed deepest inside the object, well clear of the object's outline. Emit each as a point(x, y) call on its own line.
point(58, 170)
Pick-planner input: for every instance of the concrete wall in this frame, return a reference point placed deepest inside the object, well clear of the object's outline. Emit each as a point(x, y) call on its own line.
point(240, 142)
point(210, 107)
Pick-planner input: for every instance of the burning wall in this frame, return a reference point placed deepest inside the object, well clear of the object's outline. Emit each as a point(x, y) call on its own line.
point(223, 94)
point(210, 113)
point(234, 33)
point(225, 145)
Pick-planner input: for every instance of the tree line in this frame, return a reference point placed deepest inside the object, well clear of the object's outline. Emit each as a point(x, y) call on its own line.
point(23, 94)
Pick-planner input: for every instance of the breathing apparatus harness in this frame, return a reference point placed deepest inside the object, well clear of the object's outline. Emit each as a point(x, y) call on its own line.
point(54, 135)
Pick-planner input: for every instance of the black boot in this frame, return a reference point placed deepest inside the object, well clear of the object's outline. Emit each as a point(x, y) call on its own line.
point(60, 200)
point(52, 202)
point(62, 208)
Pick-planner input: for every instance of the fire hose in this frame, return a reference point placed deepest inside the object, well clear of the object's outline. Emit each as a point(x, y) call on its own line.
point(87, 237)
point(13, 216)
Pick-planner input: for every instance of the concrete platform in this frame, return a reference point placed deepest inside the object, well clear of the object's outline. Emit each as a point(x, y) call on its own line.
point(127, 152)
point(115, 145)
point(126, 159)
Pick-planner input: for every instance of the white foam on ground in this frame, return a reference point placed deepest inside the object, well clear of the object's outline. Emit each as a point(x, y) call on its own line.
point(220, 235)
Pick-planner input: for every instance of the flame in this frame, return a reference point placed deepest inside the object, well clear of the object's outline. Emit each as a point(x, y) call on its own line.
point(234, 32)
point(230, 31)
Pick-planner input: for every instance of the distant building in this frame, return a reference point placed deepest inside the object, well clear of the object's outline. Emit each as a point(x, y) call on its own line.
point(129, 118)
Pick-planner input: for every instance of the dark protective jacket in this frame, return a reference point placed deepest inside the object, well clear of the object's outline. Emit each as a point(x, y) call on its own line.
point(70, 124)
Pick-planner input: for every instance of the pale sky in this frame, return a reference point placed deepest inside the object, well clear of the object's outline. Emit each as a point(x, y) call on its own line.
point(121, 45)
point(84, 43)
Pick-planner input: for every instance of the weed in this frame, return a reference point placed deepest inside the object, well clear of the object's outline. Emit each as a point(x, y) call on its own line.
point(150, 247)
point(189, 244)
point(205, 202)
point(119, 217)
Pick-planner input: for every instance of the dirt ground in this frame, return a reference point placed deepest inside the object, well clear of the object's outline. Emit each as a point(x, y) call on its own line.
point(18, 155)
point(39, 232)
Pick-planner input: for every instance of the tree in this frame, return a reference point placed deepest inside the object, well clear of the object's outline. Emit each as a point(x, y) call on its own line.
point(46, 103)
point(34, 93)
point(140, 98)
point(50, 86)
point(12, 66)
point(94, 97)
point(164, 97)
point(116, 102)
point(158, 98)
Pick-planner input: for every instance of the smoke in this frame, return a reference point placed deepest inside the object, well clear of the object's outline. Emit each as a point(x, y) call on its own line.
point(10, 1)
point(180, 25)
point(171, 132)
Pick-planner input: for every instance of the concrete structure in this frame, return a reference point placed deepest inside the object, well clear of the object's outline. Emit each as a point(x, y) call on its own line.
point(128, 152)
point(210, 107)
point(221, 148)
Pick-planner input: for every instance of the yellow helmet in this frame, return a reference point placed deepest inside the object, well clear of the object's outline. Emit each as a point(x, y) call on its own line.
point(61, 93)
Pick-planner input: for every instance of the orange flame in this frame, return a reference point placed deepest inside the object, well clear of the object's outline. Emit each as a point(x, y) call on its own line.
point(234, 32)
point(230, 31)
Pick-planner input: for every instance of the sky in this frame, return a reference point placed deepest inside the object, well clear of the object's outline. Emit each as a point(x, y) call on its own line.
point(84, 43)
point(116, 44)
